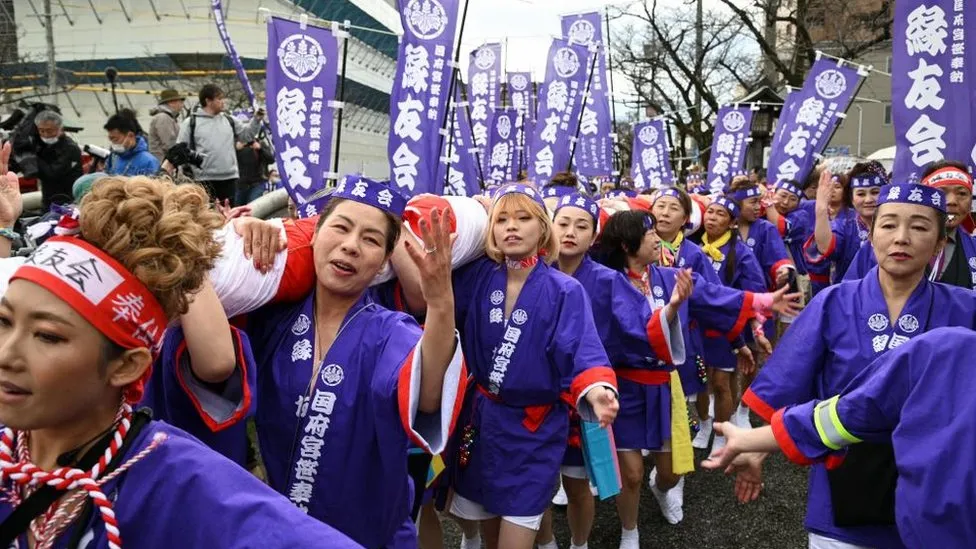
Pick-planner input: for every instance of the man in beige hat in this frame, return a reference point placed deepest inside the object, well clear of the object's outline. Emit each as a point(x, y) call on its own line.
point(164, 128)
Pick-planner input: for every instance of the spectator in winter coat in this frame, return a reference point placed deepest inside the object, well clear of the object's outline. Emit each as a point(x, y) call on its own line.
point(130, 151)
point(59, 159)
point(163, 128)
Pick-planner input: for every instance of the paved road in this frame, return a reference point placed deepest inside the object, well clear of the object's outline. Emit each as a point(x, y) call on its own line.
point(713, 519)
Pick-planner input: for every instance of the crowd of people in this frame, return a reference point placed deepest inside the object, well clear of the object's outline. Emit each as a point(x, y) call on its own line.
point(405, 361)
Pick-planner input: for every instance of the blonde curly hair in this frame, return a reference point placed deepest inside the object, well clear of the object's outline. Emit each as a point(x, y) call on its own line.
point(160, 232)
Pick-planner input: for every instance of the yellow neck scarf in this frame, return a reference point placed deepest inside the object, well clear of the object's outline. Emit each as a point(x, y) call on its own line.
point(669, 250)
point(714, 249)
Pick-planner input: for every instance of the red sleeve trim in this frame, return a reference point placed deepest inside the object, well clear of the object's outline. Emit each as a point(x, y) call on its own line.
point(598, 374)
point(811, 245)
point(758, 405)
point(462, 390)
point(819, 278)
point(777, 266)
point(245, 405)
point(745, 314)
point(781, 225)
point(298, 278)
point(785, 441)
point(403, 401)
point(834, 461)
point(656, 337)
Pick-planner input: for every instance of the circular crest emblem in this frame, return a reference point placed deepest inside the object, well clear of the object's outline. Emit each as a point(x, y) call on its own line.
point(831, 83)
point(878, 322)
point(504, 127)
point(648, 135)
point(425, 18)
point(301, 57)
point(581, 32)
point(658, 291)
point(972, 262)
point(332, 375)
point(566, 62)
point(519, 82)
point(519, 317)
point(497, 297)
point(751, 242)
point(733, 121)
point(301, 325)
point(485, 58)
point(908, 324)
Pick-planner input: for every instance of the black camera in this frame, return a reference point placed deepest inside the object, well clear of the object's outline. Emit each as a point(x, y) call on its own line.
point(23, 137)
point(181, 154)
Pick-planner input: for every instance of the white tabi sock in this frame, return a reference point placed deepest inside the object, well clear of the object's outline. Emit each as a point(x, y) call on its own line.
point(470, 543)
point(551, 545)
point(585, 545)
point(629, 539)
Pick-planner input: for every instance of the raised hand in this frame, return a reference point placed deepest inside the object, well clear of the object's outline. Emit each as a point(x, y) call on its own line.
point(787, 304)
point(605, 404)
point(11, 201)
point(434, 260)
point(825, 187)
point(683, 287)
point(262, 241)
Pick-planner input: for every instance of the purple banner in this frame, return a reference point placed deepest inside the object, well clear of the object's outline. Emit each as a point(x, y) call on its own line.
point(501, 158)
point(560, 102)
point(933, 85)
point(521, 96)
point(651, 158)
point(235, 59)
point(814, 112)
point(458, 165)
point(484, 88)
point(729, 143)
point(300, 87)
point(594, 151)
point(418, 102)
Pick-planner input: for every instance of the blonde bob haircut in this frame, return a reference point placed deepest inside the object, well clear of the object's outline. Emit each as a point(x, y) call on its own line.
point(547, 246)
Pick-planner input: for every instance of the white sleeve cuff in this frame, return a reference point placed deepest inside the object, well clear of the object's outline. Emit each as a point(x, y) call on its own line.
point(431, 431)
point(583, 407)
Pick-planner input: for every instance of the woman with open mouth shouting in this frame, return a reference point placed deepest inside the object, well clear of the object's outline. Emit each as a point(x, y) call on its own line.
point(843, 329)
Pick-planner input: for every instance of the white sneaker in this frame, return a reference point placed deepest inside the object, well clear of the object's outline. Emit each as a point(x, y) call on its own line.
point(741, 418)
point(704, 433)
point(629, 539)
point(670, 501)
point(718, 443)
point(560, 498)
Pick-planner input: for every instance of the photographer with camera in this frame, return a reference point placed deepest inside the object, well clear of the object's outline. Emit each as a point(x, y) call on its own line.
point(58, 159)
point(130, 151)
point(211, 136)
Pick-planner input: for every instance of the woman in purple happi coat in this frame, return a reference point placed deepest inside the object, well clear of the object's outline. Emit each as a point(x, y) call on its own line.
point(841, 331)
point(918, 399)
point(79, 328)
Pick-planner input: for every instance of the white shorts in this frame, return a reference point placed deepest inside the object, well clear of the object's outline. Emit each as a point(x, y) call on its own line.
point(817, 541)
point(574, 471)
point(665, 448)
point(465, 508)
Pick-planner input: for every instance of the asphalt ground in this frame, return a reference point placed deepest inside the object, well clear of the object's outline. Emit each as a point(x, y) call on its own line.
point(713, 519)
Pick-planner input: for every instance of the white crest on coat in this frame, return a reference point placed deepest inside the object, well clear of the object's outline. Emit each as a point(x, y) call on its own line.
point(878, 322)
point(332, 375)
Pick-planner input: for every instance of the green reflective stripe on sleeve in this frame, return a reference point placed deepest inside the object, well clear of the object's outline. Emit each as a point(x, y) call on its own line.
point(831, 430)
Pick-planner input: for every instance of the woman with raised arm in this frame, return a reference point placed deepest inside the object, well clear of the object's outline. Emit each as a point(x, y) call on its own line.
point(840, 332)
point(79, 327)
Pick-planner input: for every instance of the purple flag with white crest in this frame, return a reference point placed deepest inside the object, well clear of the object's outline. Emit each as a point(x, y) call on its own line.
point(521, 96)
point(594, 151)
point(560, 102)
point(418, 102)
point(300, 88)
point(500, 154)
point(812, 115)
point(458, 165)
point(651, 158)
point(484, 89)
point(729, 143)
point(933, 84)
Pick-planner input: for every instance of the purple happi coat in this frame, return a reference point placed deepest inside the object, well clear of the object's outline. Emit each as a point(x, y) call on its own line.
point(919, 398)
point(183, 494)
point(522, 366)
point(849, 235)
point(336, 444)
point(178, 398)
point(842, 330)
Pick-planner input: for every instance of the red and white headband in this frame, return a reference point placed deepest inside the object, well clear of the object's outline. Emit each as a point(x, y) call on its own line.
point(102, 291)
point(949, 176)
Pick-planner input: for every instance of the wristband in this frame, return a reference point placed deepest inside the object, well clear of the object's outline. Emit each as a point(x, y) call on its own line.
point(9, 234)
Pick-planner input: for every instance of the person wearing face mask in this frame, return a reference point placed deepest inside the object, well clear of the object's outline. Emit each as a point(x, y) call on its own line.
point(842, 330)
point(58, 159)
point(130, 150)
point(957, 263)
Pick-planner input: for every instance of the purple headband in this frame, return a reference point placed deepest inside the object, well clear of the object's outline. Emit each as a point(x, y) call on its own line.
point(729, 205)
point(670, 191)
point(515, 188)
point(913, 193)
point(558, 191)
point(579, 201)
point(788, 187)
point(622, 193)
point(745, 194)
point(868, 180)
point(372, 193)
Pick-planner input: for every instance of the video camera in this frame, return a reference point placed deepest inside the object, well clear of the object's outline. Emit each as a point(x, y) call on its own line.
point(181, 154)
